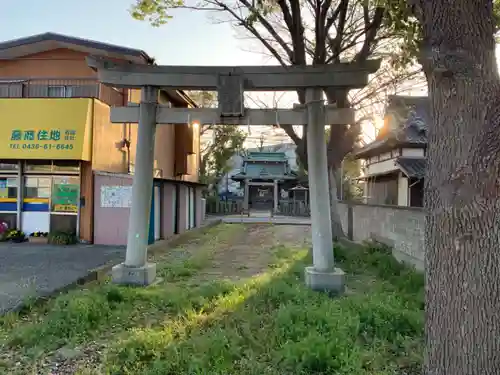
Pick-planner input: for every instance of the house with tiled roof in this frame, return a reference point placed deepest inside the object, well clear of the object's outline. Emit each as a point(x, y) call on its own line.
point(395, 163)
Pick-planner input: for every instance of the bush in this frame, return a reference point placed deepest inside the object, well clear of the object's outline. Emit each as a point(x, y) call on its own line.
point(62, 238)
point(377, 259)
point(16, 236)
point(39, 234)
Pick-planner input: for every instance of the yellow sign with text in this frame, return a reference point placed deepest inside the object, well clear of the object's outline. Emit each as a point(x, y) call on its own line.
point(45, 128)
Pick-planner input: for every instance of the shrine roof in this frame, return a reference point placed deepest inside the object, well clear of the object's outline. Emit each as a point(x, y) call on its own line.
point(266, 157)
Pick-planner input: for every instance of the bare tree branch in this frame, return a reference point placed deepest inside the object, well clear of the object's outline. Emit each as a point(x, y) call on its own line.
point(336, 43)
point(268, 27)
point(371, 29)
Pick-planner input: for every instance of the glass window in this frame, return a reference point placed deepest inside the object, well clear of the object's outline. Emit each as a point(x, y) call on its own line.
point(63, 223)
point(43, 192)
point(8, 187)
point(37, 187)
point(65, 194)
point(60, 91)
point(8, 166)
point(66, 166)
point(38, 167)
point(44, 182)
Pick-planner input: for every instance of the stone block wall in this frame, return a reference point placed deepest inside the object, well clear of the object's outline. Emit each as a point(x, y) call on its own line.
point(402, 228)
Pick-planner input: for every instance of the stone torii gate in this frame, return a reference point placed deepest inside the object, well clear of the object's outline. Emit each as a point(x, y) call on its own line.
point(230, 84)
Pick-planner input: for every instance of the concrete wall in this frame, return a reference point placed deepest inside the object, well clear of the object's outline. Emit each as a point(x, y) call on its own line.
point(165, 147)
point(199, 206)
point(58, 63)
point(106, 156)
point(111, 224)
point(402, 228)
point(167, 223)
point(183, 214)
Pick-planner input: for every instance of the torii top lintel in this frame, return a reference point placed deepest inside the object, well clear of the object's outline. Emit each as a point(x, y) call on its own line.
point(252, 78)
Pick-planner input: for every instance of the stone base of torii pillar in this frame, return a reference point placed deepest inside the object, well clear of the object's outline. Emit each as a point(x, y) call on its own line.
point(332, 281)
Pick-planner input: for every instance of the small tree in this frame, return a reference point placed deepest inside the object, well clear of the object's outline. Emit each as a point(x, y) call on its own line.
point(227, 141)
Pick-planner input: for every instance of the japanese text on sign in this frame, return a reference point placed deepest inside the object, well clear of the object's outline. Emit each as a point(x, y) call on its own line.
point(31, 139)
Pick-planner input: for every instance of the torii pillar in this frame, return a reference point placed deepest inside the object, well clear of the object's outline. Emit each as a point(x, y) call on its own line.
point(136, 270)
point(230, 83)
point(322, 275)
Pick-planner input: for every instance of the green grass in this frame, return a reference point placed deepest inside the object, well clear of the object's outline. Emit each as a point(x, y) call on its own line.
point(271, 324)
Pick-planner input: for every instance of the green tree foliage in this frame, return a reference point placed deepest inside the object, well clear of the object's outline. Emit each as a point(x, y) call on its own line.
point(351, 188)
point(227, 140)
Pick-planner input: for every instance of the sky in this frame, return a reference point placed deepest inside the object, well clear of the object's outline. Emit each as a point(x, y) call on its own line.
point(190, 38)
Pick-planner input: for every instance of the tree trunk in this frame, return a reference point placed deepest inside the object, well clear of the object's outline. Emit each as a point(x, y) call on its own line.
point(337, 231)
point(462, 189)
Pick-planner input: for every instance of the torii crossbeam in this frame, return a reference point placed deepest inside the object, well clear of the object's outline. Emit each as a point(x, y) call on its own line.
point(230, 84)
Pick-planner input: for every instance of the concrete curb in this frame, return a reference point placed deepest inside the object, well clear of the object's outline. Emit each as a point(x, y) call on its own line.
point(100, 273)
point(251, 221)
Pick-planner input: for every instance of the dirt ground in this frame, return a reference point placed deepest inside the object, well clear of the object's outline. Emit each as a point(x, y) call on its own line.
point(248, 253)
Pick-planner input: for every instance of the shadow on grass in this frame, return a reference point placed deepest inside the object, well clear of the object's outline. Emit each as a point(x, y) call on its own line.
point(271, 324)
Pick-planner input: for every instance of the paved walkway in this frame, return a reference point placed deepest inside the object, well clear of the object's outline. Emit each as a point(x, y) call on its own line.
point(279, 220)
point(28, 270)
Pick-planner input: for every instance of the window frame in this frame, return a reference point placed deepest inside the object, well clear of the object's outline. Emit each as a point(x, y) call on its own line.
point(65, 90)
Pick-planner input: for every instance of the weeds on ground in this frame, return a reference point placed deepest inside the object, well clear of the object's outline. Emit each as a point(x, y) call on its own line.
point(271, 324)
point(104, 309)
point(275, 325)
point(376, 259)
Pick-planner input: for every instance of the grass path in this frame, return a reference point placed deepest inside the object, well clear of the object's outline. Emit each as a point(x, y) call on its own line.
point(231, 301)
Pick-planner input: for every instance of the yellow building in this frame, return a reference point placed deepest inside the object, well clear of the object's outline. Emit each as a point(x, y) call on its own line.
point(56, 139)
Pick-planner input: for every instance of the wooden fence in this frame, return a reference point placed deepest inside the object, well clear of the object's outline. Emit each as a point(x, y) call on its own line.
point(293, 208)
point(219, 207)
point(235, 207)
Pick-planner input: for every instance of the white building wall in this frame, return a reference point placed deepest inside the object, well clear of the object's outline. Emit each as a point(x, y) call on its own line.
point(402, 190)
point(413, 152)
point(381, 167)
